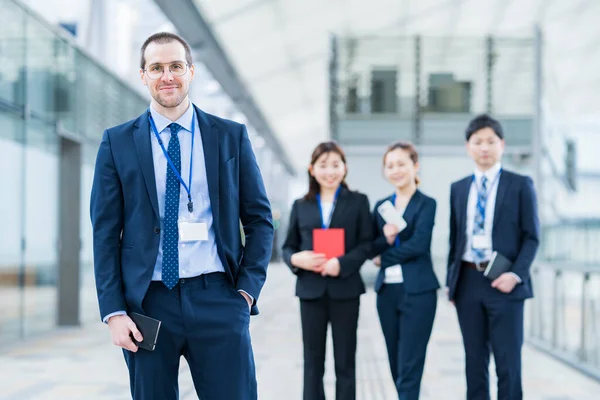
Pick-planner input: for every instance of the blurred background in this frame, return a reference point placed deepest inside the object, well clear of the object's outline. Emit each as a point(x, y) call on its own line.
point(297, 73)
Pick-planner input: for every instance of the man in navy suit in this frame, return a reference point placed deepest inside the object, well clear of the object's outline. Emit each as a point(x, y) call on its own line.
point(491, 210)
point(170, 189)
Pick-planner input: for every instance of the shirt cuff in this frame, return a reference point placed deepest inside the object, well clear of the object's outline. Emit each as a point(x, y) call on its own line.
point(516, 277)
point(249, 295)
point(105, 320)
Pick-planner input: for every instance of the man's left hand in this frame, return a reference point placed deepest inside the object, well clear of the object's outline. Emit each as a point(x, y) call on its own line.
point(248, 299)
point(331, 267)
point(505, 282)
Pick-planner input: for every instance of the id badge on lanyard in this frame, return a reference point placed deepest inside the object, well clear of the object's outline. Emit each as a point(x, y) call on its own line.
point(191, 230)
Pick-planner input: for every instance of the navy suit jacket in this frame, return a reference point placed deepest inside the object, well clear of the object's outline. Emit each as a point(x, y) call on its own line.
point(125, 214)
point(515, 232)
point(414, 252)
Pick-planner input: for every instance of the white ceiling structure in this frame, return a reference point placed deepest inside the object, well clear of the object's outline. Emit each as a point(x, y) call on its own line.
point(280, 48)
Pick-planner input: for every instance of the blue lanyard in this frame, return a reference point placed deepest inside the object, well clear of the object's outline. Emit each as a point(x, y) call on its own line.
point(489, 189)
point(324, 224)
point(190, 204)
point(397, 242)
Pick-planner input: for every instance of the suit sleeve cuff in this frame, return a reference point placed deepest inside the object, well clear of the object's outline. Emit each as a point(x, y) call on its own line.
point(105, 320)
point(516, 277)
point(249, 295)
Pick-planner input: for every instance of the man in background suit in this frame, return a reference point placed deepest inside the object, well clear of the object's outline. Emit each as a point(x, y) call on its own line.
point(170, 188)
point(491, 210)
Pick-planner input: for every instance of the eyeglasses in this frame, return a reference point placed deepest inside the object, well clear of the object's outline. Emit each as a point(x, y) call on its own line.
point(156, 71)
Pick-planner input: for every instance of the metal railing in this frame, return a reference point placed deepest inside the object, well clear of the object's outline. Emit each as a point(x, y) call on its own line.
point(564, 317)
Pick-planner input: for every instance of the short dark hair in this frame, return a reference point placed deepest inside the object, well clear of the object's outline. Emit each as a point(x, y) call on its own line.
point(484, 121)
point(164, 38)
point(326, 147)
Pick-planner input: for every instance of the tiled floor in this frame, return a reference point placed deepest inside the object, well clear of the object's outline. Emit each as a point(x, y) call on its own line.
point(82, 364)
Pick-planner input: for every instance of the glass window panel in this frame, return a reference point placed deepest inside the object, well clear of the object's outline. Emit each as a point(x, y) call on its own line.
point(41, 227)
point(88, 288)
point(11, 228)
point(12, 53)
point(65, 91)
point(40, 76)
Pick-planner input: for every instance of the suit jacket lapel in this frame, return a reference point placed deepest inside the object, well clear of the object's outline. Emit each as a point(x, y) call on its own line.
point(411, 211)
point(210, 144)
point(341, 205)
point(462, 202)
point(412, 207)
point(503, 184)
point(143, 145)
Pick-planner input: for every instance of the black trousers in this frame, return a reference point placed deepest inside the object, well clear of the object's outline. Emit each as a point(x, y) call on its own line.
point(316, 316)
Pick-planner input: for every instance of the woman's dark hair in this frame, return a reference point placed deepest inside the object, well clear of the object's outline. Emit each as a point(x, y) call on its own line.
point(323, 148)
point(408, 147)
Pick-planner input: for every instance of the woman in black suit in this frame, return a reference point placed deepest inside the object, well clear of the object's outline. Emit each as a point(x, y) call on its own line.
point(406, 285)
point(329, 289)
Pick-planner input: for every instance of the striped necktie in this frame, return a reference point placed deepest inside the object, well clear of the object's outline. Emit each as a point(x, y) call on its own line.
point(479, 225)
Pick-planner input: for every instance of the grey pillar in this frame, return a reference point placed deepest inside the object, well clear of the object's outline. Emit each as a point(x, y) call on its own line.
point(69, 232)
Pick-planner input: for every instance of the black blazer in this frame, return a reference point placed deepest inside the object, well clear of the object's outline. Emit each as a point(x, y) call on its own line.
point(414, 252)
point(352, 213)
point(515, 231)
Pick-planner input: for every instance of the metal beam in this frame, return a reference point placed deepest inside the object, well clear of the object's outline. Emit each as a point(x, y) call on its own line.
point(69, 226)
point(190, 24)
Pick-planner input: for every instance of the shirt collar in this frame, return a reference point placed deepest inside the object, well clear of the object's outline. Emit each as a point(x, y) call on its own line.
point(490, 174)
point(162, 122)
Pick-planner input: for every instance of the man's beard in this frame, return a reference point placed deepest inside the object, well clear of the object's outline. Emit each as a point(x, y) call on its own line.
point(171, 103)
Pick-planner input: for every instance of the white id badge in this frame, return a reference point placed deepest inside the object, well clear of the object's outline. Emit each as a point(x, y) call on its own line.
point(394, 274)
point(481, 242)
point(193, 231)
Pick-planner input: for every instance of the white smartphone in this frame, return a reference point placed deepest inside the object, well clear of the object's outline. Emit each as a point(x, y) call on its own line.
point(390, 215)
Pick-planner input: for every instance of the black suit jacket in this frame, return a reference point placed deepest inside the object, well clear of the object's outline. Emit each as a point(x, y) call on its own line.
point(351, 213)
point(515, 232)
point(414, 252)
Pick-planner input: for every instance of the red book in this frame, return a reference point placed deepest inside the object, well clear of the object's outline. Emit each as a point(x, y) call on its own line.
point(329, 242)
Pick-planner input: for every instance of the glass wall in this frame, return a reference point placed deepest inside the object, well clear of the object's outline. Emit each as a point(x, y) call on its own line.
point(48, 88)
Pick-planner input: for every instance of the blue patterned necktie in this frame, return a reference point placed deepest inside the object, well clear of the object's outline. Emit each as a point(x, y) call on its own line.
point(170, 260)
point(479, 225)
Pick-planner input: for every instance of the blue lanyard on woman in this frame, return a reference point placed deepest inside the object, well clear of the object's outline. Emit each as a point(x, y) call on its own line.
point(397, 242)
point(324, 224)
point(188, 188)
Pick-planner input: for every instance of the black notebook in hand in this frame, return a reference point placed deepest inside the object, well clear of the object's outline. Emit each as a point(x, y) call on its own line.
point(148, 327)
point(497, 266)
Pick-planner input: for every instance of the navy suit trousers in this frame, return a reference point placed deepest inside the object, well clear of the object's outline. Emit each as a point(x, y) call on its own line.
point(406, 320)
point(489, 320)
point(205, 320)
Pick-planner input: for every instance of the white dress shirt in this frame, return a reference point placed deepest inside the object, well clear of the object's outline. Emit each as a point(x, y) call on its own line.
point(393, 273)
point(200, 257)
point(327, 210)
point(493, 177)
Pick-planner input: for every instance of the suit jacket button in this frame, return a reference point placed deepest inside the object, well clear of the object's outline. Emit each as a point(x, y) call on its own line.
point(156, 229)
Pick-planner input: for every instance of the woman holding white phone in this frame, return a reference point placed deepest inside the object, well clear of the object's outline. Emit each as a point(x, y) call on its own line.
point(406, 285)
